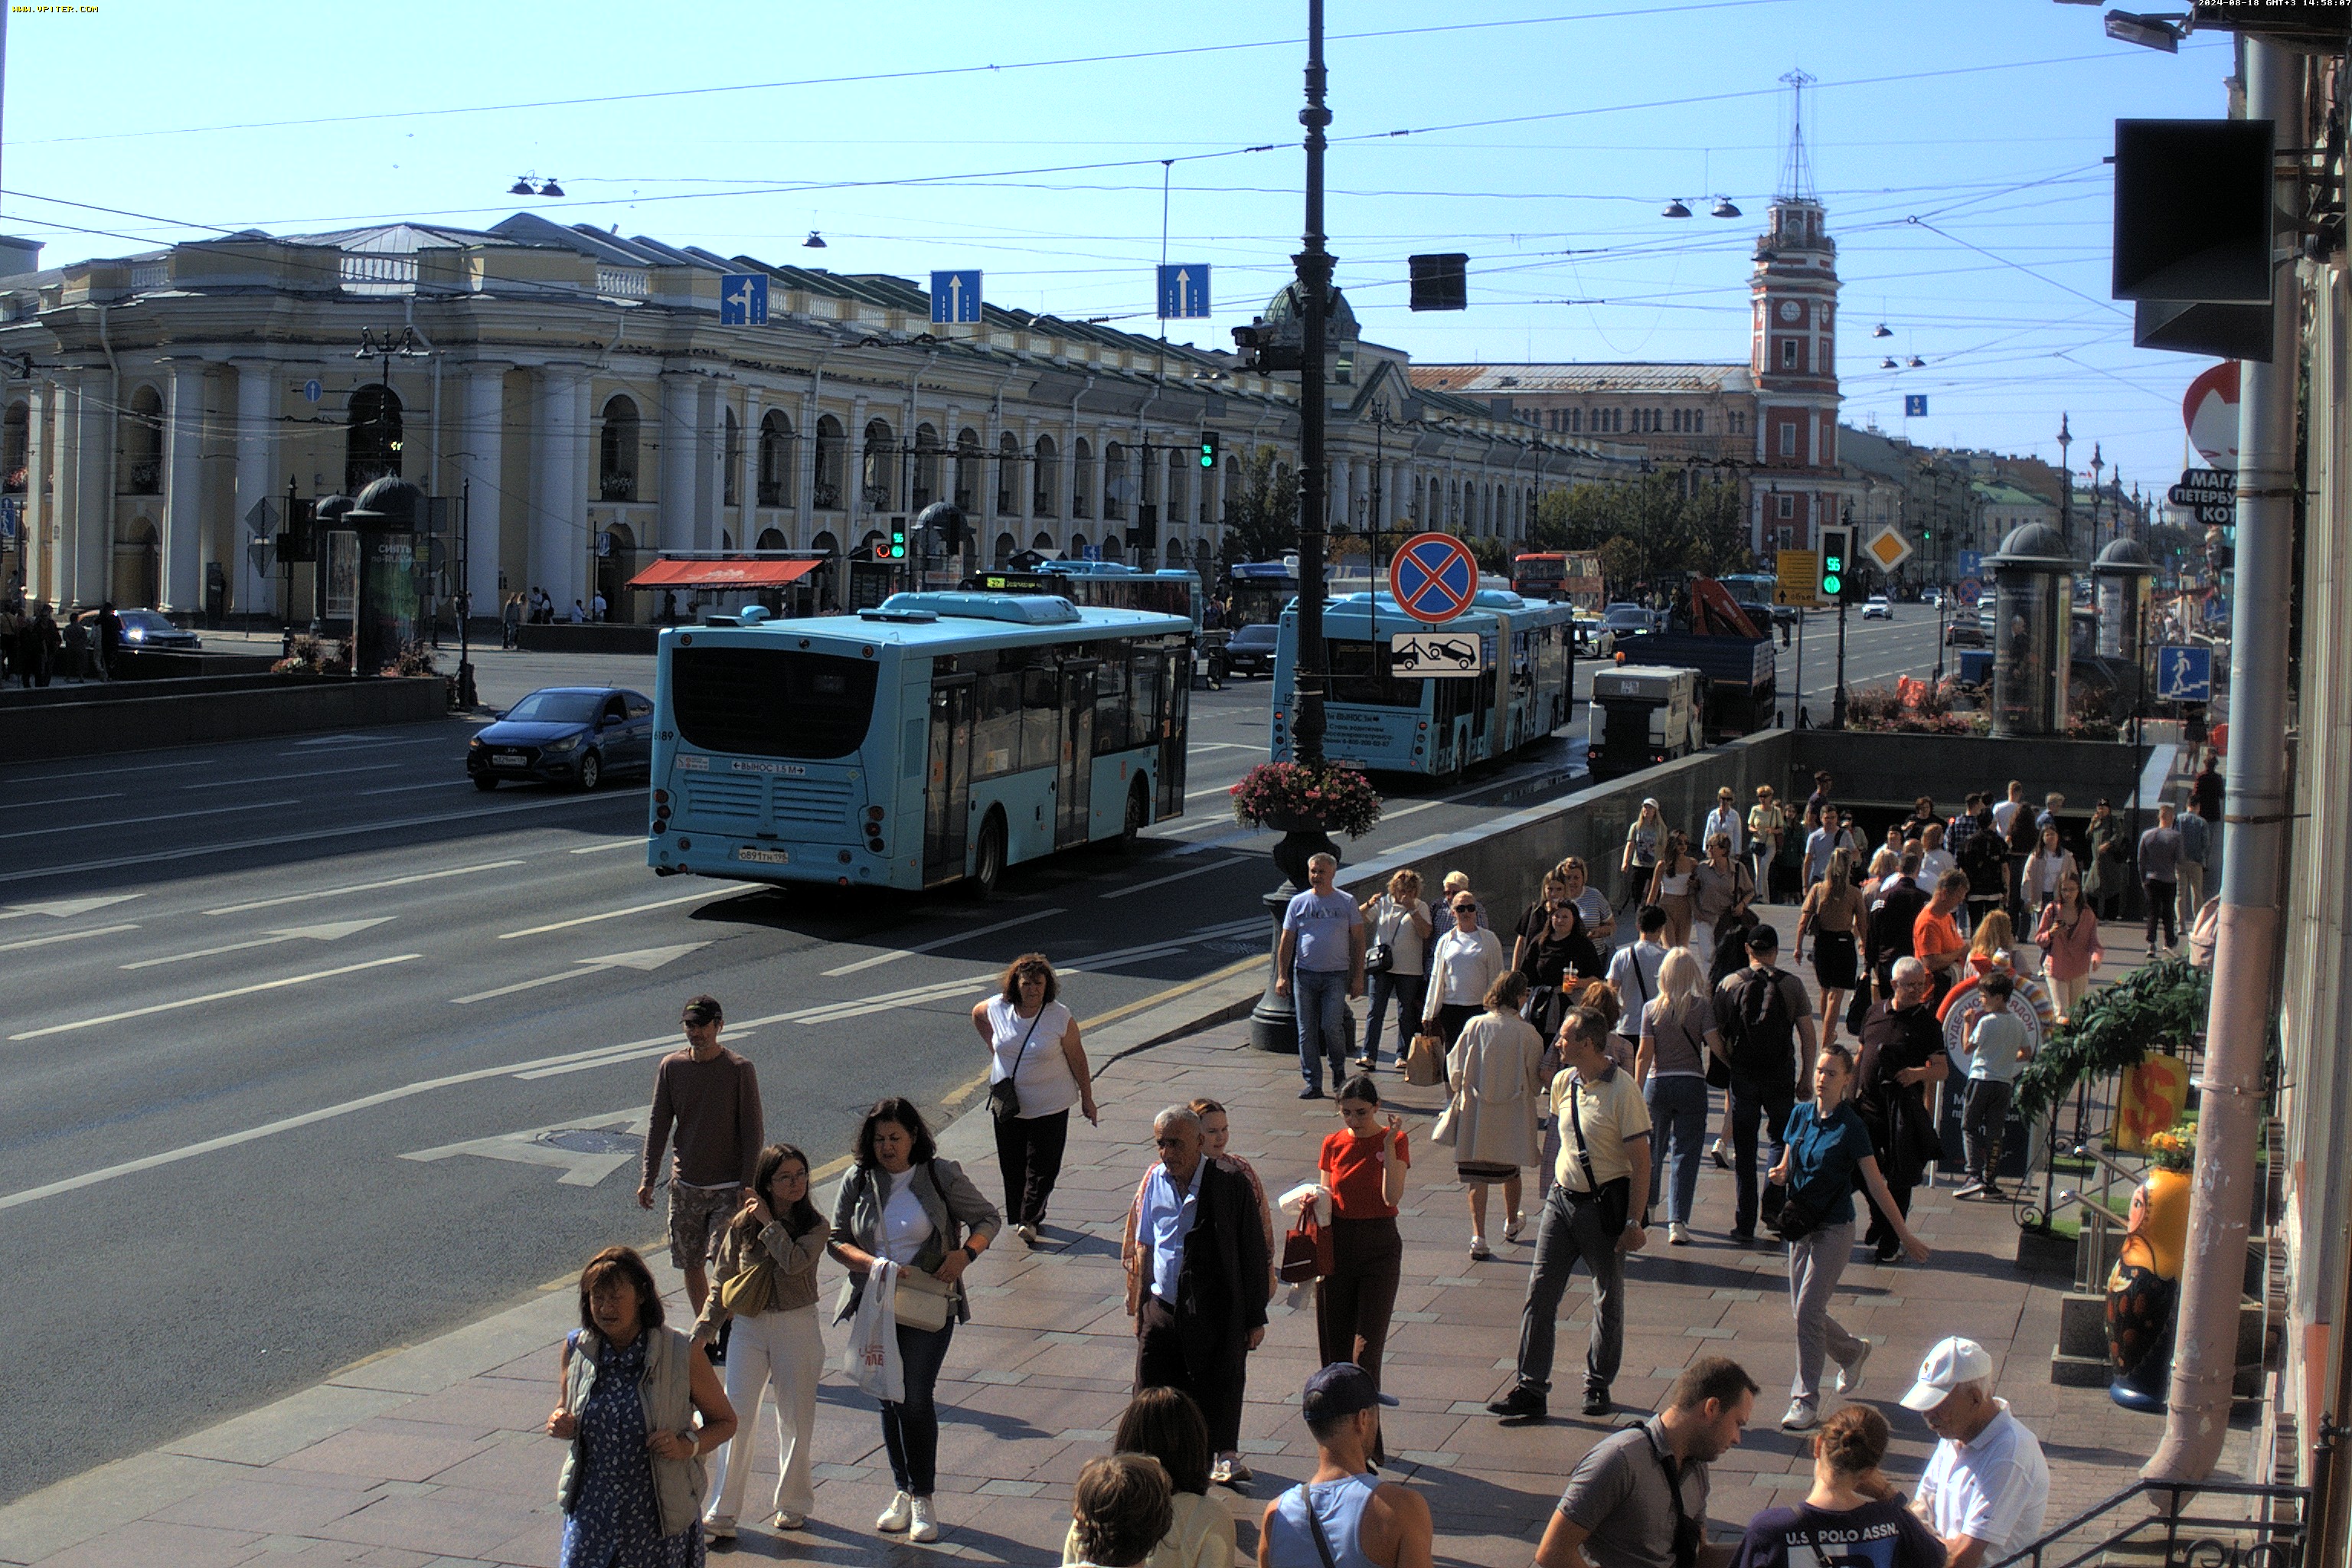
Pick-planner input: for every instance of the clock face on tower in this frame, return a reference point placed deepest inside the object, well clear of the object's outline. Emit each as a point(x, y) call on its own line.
point(1790, 310)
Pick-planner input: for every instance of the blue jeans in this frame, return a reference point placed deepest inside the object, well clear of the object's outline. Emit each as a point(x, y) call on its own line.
point(1407, 990)
point(1677, 1111)
point(1319, 996)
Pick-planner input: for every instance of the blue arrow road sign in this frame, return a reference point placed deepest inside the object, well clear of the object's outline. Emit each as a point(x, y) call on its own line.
point(1968, 562)
point(2184, 674)
point(955, 296)
point(1915, 405)
point(1183, 291)
point(742, 298)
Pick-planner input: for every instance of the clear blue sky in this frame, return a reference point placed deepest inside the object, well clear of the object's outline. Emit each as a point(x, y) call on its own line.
point(1596, 112)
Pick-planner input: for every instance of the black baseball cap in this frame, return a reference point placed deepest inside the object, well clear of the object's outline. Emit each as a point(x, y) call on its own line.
point(702, 1010)
point(1340, 1389)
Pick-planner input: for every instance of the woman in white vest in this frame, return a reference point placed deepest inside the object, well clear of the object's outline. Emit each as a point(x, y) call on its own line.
point(640, 1407)
point(1495, 1072)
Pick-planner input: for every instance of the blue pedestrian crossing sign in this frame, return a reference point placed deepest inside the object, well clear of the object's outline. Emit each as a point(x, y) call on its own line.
point(2184, 674)
point(1183, 291)
point(955, 297)
point(742, 298)
point(1915, 405)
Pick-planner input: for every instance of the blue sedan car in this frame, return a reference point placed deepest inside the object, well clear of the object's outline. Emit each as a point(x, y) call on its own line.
point(566, 734)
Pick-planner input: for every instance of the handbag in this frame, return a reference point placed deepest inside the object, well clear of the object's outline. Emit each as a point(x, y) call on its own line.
point(1448, 1123)
point(1798, 1218)
point(750, 1292)
point(1425, 1061)
point(921, 1300)
point(1004, 1097)
point(1305, 1251)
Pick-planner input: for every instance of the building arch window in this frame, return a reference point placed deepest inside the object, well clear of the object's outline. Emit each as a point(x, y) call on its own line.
point(1004, 555)
point(926, 468)
point(1077, 546)
point(1043, 541)
point(1115, 481)
point(142, 446)
point(775, 458)
point(878, 472)
point(826, 544)
point(831, 457)
point(617, 450)
point(1789, 438)
point(966, 467)
point(371, 444)
point(731, 461)
point(1082, 462)
point(770, 539)
point(1046, 473)
point(1008, 473)
point(1180, 460)
point(1111, 549)
point(16, 448)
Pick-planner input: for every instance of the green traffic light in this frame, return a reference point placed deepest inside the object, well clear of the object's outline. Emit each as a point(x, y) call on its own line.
point(1830, 584)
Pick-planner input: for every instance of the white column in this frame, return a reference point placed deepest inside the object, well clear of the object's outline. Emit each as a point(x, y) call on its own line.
point(40, 511)
point(482, 448)
point(1339, 501)
point(93, 517)
point(184, 434)
point(710, 449)
point(673, 523)
point(558, 533)
point(256, 479)
point(854, 514)
point(747, 477)
point(64, 494)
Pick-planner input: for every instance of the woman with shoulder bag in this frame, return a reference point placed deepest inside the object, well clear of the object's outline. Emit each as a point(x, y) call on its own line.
point(1400, 929)
point(1825, 1148)
point(2068, 936)
point(1037, 1070)
point(1672, 887)
point(1555, 959)
point(631, 1392)
point(902, 1205)
point(1463, 963)
point(1494, 1073)
point(765, 1283)
point(1723, 890)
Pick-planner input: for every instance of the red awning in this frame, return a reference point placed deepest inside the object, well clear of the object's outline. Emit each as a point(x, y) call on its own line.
point(722, 573)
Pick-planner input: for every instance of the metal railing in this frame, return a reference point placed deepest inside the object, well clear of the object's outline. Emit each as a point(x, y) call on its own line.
point(2192, 1524)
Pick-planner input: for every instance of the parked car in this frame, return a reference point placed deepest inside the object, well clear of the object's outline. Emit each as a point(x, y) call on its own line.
point(1878, 608)
point(566, 734)
point(149, 628)
point(1250, 650)
point(1966, 631)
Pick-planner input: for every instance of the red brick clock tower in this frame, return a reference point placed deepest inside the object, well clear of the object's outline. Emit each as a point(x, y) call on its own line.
point(1793, 353)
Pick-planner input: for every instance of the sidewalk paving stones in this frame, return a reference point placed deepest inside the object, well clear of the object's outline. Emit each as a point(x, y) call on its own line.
point(433, 1454)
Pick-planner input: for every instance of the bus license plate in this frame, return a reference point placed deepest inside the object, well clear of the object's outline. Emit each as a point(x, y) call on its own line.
point(765, 857)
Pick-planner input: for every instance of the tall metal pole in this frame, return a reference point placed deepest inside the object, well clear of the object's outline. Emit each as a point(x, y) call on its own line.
point(1837, 697)
point(1314, 266)
point(2205, 1360)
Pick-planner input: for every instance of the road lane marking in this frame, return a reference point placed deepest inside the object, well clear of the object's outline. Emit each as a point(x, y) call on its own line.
point(457, 782)
point(583, 1166)
point(211, 997)
point(1204, 793)
point(609, 844)
point(358, 887)
point(894, 954)
point(616, 914)
point(280, 840)
point(645, 961)
point(333, 931)
point(66, 909)
point(63, 936)
point(136, 821)
point(1177, 876)
point(114, 772)
point(281, 778)
point(61, 800)
point(1223, 746)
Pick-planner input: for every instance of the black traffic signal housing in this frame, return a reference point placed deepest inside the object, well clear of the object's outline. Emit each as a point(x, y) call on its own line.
point(1838, 567)
point(881, 550)
point(1208, 448)
point(1440, 283)
point(897, 539)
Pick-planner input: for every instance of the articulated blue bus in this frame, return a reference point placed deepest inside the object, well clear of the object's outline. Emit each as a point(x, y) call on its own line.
point(939, 737)
point(1434, 726)
point(1170, 590)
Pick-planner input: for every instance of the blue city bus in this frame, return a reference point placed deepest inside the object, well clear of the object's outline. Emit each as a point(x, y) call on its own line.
point(939, 737)
point(1433, 726)
point(1108, 584)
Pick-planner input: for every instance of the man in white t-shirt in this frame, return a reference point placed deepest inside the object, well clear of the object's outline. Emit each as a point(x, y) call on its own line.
point(1987, 1486)
point(1634, 973)
point(2005, 812)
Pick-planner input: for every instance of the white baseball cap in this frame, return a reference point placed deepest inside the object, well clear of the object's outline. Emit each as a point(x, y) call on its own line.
point(1948, 1365)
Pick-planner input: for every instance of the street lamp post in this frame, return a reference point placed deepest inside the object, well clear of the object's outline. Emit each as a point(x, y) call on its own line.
point(1314, 264)
point(2099, 462)
point(2066, 485)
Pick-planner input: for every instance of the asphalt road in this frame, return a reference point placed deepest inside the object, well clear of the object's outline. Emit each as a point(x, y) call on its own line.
point(257, 993)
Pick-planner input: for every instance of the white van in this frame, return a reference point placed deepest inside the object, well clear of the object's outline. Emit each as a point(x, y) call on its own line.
point(1642, 714)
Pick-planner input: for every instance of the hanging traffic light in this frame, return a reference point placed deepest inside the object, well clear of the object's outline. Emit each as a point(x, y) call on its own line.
point(897, 539)
point(1208, 448)
point(881, 550)
point(1837, 560)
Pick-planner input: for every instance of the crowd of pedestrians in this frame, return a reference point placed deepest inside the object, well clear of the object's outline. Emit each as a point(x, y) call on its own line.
point(36, 645)
point(1593, 1063)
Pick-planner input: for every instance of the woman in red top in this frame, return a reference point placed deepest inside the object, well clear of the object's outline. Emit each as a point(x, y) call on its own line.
point(1363, 1165)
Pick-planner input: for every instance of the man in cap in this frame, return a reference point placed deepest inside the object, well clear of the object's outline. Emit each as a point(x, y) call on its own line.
point(1639, 1498)
point(712, 1096)
point(1360, 1518)
point(1987, 1486)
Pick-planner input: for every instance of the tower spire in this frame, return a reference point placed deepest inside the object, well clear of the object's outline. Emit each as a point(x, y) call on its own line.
point(1796, 164)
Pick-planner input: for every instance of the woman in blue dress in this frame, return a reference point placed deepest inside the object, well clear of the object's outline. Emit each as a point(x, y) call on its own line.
point(640, 1407)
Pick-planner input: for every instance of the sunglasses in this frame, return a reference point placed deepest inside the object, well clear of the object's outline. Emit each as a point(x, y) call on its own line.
point(1465, 908)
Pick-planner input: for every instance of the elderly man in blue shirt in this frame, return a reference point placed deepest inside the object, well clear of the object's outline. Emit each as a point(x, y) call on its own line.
point(1197, 1276)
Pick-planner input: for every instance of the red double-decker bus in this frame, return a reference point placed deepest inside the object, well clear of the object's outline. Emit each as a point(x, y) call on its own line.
point(1571, 576)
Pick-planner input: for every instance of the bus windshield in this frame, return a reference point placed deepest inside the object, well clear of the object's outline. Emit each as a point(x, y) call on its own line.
point(772, 702)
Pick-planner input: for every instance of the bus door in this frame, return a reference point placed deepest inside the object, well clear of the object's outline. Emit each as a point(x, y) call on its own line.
point(947, 781)
point(1075, 790)
point(1176, 685)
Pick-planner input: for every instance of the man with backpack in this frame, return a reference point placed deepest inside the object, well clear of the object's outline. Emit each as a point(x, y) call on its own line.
point(1893, 916)
point(1764, 1016)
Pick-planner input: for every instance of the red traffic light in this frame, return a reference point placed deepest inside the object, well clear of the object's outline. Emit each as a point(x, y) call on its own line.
point(881, 552)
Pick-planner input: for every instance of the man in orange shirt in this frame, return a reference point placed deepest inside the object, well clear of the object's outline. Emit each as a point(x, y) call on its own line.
point(1936, 940)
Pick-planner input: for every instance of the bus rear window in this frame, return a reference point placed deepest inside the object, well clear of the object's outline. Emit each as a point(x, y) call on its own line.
point(772, 702)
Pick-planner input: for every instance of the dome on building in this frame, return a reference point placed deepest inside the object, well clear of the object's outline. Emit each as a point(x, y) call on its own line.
point(2126, 552)
point(1339, 317)
point(395, 498)
point(2033, 541)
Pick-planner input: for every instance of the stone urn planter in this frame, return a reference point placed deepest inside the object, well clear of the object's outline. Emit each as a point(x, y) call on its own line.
point(1306, 802)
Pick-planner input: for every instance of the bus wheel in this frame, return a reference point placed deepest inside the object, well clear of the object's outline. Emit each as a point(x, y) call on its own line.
point(1139, 814)
point(987, 860)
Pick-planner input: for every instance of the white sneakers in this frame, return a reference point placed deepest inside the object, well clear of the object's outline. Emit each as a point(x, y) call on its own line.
point(898, 1516)
point(1799, 1418)
point(1849, 1377)
point(1479, 1250)
point(1511, 1228)
point(717, 1529)
point(1677, 1234)
point(1027, 1232)
point(925, 1527)
point(787, 1519)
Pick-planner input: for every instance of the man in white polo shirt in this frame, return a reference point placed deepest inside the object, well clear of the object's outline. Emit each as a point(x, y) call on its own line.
point(1987, 1486)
